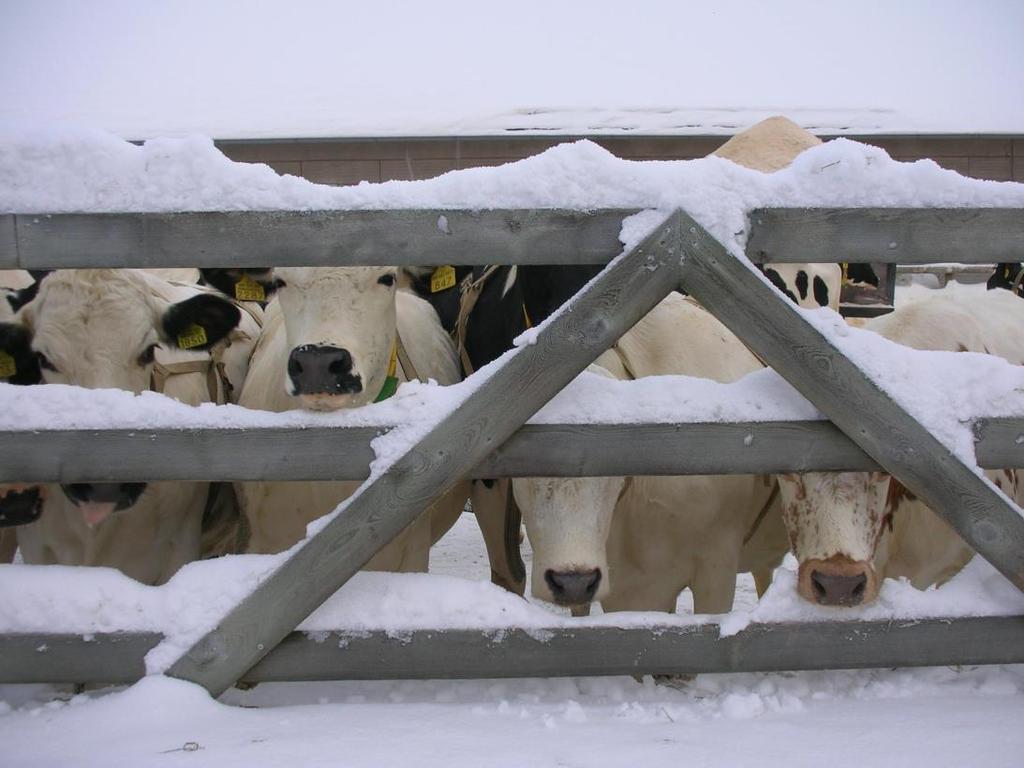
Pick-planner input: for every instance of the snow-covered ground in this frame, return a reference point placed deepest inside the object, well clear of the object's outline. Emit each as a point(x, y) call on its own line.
point(928, 717)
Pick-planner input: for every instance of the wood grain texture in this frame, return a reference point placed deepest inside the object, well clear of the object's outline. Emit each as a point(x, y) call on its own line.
point(892, 235)
point(8, 242)
point(608, 306)
point(551, 450)
point(775, 330)
point(555, 652)
point(315, 238)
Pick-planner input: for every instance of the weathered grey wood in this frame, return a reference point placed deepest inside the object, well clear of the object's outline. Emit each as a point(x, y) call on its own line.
point(609, 305)
point(893, 235)
point(552, 450)
point(51, 658)
point(314, 238)
point(999, 443)
point(776, 331)
point(8, 241)
point(455, 654)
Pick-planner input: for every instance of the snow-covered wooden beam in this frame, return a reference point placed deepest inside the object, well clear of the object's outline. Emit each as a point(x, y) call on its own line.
point(559, 651)
point(550, 450)
point(891, 235)
point(435, 237)
point(383, 506)
point(309, 238)
point(786, 340)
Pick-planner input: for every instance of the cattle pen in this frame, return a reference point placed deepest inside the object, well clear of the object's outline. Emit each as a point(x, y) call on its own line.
point(867, 429)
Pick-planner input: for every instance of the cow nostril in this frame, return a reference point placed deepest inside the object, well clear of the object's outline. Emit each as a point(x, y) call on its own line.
point(341, 364)
point(819, 588)
point(858, 591)
point(294, 367)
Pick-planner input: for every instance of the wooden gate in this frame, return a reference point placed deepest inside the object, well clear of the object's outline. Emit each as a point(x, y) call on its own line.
point(255, 640)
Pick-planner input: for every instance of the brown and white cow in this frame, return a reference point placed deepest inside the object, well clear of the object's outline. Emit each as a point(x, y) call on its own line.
point(327, 344)
point(850, 530)
point(635, 543)
point(124, 329)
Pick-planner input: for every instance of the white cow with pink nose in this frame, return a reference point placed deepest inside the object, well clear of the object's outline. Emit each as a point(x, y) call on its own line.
point(125, 329)
point(851, 530)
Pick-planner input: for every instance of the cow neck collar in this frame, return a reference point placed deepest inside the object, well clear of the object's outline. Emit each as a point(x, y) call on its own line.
point(391, 381)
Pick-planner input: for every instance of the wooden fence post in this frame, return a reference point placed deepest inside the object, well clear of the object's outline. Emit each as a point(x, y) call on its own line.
point(570, 340)
point(776, 331)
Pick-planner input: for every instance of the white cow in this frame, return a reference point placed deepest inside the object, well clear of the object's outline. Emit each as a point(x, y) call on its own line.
point(327, 344)
point(850, 530)
point(130, 330)
point(635, 543)
point(769, 146)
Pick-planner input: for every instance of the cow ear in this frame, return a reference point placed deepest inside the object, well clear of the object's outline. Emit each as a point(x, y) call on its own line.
point(241, 284)
point(199, 322)
point(18, 363)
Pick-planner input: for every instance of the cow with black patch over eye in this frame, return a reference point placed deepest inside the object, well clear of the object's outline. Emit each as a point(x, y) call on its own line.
point(328, 343)
point(111, 329)
point(635, 543)
point(851, 530)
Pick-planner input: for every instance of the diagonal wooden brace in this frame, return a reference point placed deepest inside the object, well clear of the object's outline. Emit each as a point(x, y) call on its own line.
point(605, 309)
point(776, 331)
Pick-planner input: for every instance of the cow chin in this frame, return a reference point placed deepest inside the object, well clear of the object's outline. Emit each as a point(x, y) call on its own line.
point(326, 402)
point(837, 581)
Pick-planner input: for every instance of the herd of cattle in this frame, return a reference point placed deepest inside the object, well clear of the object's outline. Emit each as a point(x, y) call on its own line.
point(332, 338)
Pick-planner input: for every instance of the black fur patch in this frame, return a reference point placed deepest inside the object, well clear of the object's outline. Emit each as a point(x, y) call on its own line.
point(801, 283)
point(861, 273)
point(775, 279)
point(216, 316)
point(16, 341)
point(820, 291)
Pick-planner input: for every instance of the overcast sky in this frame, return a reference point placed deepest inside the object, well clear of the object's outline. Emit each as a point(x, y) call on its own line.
point(305, 68)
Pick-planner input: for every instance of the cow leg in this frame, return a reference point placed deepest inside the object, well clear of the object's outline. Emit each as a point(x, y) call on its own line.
point(8, 544)
point(500, 519)
point(714, 583)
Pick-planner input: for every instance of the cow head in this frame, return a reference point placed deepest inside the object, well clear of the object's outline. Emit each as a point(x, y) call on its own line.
point(340, 325)
point(100, 329)
point(567, 521)
point(835, 521)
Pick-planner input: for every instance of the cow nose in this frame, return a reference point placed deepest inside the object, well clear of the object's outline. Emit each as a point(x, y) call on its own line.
point(838, 589)
point(573, 587)
point(121, 495)
point(20, 507)
point(316, 369)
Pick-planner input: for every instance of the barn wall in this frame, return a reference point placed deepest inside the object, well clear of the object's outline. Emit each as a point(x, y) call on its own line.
point(352, 161)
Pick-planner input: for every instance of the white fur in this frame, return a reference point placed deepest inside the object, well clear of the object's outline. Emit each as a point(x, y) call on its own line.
point(345, 307)
point(93, 325)
point(654, 536)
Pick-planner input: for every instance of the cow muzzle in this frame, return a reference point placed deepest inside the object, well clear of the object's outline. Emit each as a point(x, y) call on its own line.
point(20, 504)
point(572, 588)
point(315, 369)
point(837, 581)
point(97, 501)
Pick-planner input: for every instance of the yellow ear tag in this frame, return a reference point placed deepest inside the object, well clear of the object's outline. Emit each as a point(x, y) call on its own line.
point(248, 289)
point(7, 366)
point(442, 279)
point(194, 336)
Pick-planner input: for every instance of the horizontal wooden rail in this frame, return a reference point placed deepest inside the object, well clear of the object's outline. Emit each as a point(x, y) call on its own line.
point(309, 238)
point(451, 654)
point(552, 450)
point(890, 235)
point(433, 237)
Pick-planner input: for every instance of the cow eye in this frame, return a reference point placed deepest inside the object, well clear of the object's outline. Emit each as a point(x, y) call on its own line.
point(388, 279)
point(44, 362)
point(146, 358)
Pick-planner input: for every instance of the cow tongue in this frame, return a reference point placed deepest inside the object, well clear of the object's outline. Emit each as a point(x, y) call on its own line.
point(94, 512)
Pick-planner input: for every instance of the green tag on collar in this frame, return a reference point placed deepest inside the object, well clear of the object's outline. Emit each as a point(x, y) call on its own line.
point(7, 366)
point(389, 388)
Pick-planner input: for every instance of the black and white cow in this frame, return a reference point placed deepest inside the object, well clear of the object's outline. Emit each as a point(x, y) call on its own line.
point(109, 328)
